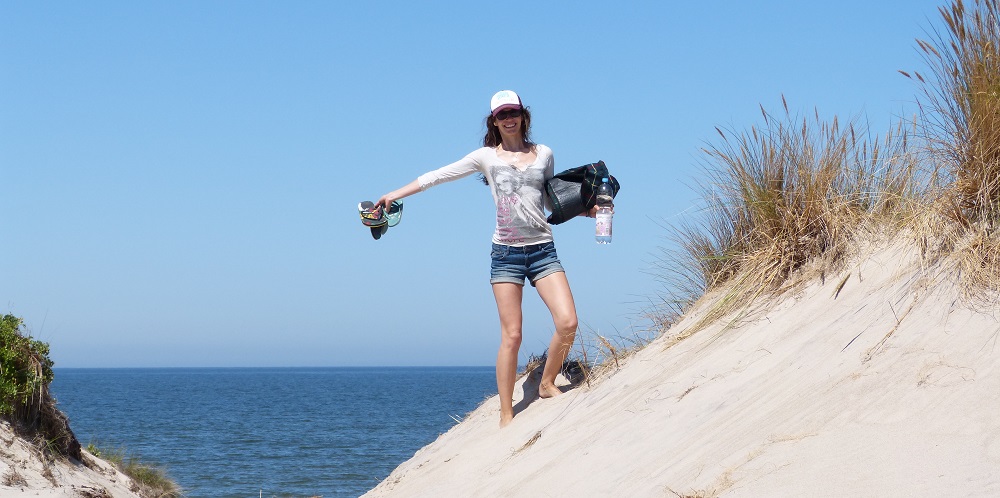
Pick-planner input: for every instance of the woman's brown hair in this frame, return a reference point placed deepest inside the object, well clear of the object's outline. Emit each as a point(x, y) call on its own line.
point(493, 139)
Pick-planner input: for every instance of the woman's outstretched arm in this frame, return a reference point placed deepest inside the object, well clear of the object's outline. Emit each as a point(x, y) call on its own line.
point(406, 190)
point(458, 169)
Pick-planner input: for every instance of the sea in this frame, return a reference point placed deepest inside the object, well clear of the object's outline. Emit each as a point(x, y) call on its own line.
point(270, 432)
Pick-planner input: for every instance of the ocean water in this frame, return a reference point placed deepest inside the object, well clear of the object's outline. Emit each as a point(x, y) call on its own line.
point(247, 432)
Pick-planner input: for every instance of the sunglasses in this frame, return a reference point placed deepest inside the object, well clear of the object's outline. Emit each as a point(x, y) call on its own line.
point(510, 113)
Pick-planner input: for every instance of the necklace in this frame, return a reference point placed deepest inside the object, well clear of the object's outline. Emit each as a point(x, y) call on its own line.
point(515, 154)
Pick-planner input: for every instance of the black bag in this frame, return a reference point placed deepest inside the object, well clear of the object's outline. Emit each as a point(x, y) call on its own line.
point(574, 191)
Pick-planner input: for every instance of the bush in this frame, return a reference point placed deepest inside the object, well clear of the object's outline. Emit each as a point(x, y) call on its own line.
point(25, 374)
point(25, 368)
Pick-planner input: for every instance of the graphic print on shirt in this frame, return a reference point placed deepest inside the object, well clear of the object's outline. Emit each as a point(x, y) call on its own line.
point(514, 190)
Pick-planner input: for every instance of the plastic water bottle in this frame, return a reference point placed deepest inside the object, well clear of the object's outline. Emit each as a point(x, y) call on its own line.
point(605, 201)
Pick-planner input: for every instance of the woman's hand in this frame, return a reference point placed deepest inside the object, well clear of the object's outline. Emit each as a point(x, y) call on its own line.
point(385, 201)
point(409, 189)
point(593, 212)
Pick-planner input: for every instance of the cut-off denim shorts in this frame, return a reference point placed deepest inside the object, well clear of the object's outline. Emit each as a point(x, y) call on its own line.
point(512, 264)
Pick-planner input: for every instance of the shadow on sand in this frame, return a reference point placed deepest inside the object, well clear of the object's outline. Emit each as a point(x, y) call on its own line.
point(571, 370)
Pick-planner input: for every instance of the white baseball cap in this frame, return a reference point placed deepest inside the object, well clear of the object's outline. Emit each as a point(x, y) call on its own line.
point(503, 100)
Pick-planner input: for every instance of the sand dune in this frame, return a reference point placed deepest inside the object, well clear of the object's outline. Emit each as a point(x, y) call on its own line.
point(889, 387)
point(25, 472)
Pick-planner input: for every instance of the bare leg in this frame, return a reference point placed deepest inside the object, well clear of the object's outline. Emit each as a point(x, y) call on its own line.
point(508, 298)
point(554, 291)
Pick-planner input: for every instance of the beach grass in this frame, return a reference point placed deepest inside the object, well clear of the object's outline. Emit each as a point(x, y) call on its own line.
point(25, 375)
point(783, 194)
point(960, 124)
point(784, 201)
point(596, 354)
point(149, 480)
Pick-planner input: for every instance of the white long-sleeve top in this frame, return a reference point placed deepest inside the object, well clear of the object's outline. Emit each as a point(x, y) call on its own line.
point(518, 192)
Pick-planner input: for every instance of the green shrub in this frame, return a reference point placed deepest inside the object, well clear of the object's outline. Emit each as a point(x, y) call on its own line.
point(25, 374)
point(25, 368)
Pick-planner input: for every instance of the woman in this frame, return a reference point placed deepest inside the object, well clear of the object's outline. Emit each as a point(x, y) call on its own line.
point(516, 170)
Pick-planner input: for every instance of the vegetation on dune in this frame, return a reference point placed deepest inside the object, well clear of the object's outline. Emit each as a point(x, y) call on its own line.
point(793, 192)
point(960, 123)
point(782, 195)
point(25, 375)
point(149, 480)
point(961, 110)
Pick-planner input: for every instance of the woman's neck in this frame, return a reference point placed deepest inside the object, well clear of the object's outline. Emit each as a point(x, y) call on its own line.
point(514, 145)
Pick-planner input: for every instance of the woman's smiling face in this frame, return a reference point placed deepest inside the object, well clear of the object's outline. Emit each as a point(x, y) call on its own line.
point(509, 122)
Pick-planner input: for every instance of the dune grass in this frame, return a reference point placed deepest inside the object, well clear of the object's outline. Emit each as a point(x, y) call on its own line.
point(961, 109)
point(791, 194)
point(596, 354)
point(960, 122)
point(149, 480)
point(781, 195)
point(25, 375)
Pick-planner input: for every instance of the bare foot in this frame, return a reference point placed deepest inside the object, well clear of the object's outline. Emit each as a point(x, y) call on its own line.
point(548, 391)
point(505, 420)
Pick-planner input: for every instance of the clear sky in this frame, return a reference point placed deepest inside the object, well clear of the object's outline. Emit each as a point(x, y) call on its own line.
point(180, 179)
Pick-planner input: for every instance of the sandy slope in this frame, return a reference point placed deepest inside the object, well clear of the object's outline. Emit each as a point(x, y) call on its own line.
point(24, 473)
point(889, 388)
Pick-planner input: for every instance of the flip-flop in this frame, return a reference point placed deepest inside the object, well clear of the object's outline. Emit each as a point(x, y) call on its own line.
point(371, 216)
point(394, 213)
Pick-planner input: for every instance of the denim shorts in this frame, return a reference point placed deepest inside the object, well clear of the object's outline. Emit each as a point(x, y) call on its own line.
point(512, 264)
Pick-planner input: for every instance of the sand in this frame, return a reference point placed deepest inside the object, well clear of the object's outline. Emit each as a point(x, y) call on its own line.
point(889, 387)
point(24, 472)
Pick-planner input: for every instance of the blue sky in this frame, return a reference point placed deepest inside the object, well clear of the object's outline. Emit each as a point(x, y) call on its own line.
point(180, 178)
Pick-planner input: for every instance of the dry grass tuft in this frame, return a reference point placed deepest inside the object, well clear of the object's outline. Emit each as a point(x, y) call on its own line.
point(961, 125)
point(148, 480)
point(782, 195)
point(530, 442)
point(978, 259)
point(597, 355)
point(793, 194)
point(13, 479)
